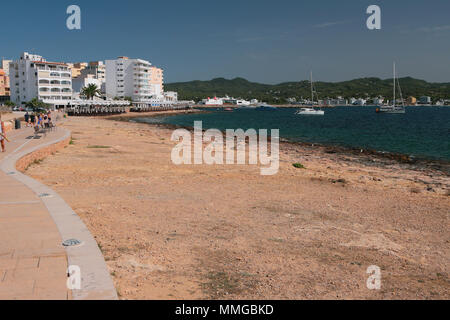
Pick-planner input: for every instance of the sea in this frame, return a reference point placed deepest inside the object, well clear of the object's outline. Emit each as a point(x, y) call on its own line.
point(422, 133)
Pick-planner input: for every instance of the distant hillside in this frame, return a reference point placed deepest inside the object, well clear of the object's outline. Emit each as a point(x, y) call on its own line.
point(241, 88)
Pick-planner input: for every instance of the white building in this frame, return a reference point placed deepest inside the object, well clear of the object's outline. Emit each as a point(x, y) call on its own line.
point(213, 102)
point(4, 64)
point(128, 78)
point(378, 101)
point(171, 96)
point(425, 100)
point(93, 73)
point(33, 77)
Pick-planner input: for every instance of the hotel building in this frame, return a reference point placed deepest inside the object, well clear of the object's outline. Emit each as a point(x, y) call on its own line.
point(156, 82)
point(129, 78)
point(33, 77)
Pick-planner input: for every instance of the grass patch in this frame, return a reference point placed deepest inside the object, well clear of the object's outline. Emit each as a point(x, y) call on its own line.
point(343, 181)
point(221, 284)
point(98, 147)
point(298, 166)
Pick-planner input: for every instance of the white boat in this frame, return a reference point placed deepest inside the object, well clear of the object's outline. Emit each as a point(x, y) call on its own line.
point(311, 111)
point(394, 108)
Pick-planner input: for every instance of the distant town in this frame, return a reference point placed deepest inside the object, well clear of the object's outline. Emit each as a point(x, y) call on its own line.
point(339, 101)
point(135, 82)
point(56, 84)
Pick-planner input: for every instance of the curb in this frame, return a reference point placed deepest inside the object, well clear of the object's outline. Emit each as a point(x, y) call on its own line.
point(96, 282)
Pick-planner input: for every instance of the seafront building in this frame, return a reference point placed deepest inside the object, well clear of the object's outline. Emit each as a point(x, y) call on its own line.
point(128, 78)
point(425, 100)
point(156, 82)
point(32, 76)
point(411, 101)
point(93, 73)
point(4, 87)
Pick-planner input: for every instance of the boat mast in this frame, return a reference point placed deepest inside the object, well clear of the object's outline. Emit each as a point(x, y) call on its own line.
point(312, 92)
point(394, 84)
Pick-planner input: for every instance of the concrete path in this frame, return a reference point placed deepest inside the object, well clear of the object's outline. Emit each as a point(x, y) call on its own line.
point(34, 221)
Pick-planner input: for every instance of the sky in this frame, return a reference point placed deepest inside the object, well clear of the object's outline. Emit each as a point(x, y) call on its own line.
point(262, 41)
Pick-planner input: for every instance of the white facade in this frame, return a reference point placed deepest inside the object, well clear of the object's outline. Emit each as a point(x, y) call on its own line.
point(128, 78)
point(94, 73)
point(212, 102)
point(4, 64)
point(171, 96)
point(79, 83)
point(33, 77)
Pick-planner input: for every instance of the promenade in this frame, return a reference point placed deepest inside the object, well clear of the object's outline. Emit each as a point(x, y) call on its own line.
point(33, 264)
point(34, 222)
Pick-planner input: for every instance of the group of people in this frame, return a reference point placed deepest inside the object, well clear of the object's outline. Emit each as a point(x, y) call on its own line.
point(40, 120)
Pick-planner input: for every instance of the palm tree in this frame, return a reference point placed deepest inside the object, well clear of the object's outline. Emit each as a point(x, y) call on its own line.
point(90, 91)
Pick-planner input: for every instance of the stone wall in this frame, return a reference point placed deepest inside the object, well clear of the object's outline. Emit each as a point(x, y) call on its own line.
point(23, 163)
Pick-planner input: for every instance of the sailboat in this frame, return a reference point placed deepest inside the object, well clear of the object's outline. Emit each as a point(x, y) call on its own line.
point(394, 108)
point(312, 110)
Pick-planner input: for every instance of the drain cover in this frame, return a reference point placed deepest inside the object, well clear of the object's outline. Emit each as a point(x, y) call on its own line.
point(45, 195)
point(71, 243)
point(11, 173)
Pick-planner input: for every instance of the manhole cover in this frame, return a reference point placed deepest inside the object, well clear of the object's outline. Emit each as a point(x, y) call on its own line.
point(71, 243)
point(45, 195)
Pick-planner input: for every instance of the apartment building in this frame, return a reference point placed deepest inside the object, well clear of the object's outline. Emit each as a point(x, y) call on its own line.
point(32, 76)
point(4, 65)
point(93, 73)
point(156, 82)
point(77, 68)
point(129, 78)
point(4, 84)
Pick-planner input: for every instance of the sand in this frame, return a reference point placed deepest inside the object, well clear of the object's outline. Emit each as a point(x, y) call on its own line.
point(226, 232)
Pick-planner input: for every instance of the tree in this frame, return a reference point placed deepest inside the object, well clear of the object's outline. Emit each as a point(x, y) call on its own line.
point(90, 91)
point(9, 104)
point(37, 105)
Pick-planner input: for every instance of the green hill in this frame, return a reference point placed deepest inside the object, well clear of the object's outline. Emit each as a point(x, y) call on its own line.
point(364, 87)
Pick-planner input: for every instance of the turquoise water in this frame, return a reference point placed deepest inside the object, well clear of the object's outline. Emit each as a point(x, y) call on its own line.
point(422, 132)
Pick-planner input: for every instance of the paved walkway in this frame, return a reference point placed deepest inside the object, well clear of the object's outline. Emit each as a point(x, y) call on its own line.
point(33, 264)
point(34, 221)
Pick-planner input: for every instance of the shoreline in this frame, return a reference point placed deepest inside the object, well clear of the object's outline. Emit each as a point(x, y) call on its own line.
point(404, 159)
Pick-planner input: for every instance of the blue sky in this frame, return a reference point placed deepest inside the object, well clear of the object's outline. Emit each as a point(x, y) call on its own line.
point(264, 41)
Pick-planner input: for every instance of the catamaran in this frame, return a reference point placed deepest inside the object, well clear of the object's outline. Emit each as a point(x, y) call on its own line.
point(311, 111)
point(394, 108)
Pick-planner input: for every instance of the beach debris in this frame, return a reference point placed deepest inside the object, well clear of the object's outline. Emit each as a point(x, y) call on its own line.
point(298, 166)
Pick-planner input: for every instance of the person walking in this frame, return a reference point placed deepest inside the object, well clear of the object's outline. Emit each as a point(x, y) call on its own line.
point(27, 118)
point(2, 134)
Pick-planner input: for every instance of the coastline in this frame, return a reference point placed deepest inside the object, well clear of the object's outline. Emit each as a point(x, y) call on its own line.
point(225, 232)
point(365, 154)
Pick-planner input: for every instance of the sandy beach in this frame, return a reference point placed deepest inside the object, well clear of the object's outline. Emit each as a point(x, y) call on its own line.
point(226, 232)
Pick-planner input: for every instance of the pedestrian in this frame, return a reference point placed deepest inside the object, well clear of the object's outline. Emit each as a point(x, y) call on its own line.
point(2, 134)
point(27, 118)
